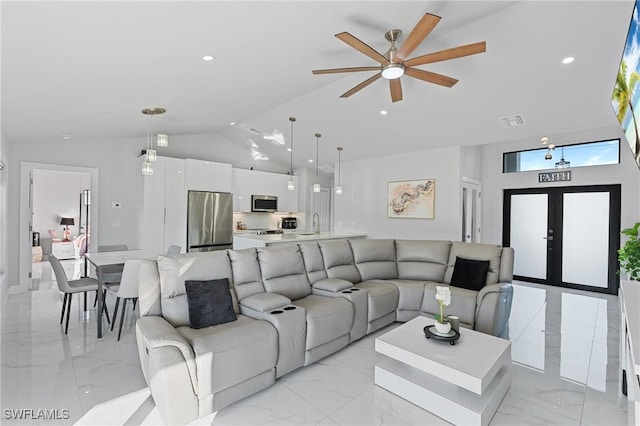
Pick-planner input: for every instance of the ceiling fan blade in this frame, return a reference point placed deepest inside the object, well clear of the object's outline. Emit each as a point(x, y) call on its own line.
point(362, 47)
point(431, 77)
point(396, 90)
point(361, 85)
point(352, 69)
point(446, 54)
point(417, 35)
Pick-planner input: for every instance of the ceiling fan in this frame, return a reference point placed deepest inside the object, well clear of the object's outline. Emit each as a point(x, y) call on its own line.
point(394, 63)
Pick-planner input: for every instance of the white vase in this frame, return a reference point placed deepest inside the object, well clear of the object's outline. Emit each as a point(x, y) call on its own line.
point(443, 327)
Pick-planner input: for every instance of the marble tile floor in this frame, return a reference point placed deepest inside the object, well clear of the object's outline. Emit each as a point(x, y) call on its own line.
point(564, 349)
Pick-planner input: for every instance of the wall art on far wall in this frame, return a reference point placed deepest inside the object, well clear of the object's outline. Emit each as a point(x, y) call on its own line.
point(411, 199)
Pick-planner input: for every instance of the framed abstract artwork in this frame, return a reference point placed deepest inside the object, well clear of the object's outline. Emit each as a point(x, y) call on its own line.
point(411, 199)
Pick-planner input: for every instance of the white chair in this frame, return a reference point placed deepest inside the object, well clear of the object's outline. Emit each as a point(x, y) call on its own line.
point(173, 249)
point(83, 285)
point(127, 290)
point(111, 275)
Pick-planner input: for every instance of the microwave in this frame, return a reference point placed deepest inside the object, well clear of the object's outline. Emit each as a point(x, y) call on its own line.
point(264, 203)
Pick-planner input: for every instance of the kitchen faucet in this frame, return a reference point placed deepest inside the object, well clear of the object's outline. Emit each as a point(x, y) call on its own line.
point(316, 223)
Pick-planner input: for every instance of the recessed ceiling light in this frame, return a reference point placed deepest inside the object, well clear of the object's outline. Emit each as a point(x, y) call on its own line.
point(233, 123)
point(311, 161)
point(289, 149)
point(207, 58)
point(568, 60)
point(66, 137)
point(383, 112)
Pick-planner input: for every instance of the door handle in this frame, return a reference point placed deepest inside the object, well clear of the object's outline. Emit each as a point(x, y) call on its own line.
point(550, 238)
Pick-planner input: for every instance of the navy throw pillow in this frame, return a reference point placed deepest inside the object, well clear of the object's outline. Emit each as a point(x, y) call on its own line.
point(209, 302)
point(470, 274)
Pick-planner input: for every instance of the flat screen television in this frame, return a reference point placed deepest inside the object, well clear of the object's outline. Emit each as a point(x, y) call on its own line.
point(626, 92)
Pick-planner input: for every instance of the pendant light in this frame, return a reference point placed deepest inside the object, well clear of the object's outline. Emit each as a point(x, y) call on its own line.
point(339, 186)
point(563, 164)
point(162, 140)
point(316, 186)
point(291, 184)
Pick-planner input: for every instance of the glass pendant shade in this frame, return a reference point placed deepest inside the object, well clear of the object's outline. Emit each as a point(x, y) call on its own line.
point(339, 185)
point(338, 190)
point(147, 168)
point(316, 187)
point(162, 140)
point(152, 156)
point(291, 184)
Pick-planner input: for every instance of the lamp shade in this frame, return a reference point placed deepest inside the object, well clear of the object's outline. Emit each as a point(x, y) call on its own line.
point(67, 221)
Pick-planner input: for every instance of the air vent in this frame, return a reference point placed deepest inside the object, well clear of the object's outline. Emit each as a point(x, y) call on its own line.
point(513, 120)
point(255, 131)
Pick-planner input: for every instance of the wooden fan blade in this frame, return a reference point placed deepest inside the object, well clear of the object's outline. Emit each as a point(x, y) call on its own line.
point(396, 90)
point(352, 69)
point(362, 47)
point(446, 54)
point(431, 77)
point(417, 35)
point(361, 85)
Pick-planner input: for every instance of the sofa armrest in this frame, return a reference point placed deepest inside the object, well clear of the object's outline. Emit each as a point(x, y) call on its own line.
point(265, 302)
point(493, 308)
point(332, 285)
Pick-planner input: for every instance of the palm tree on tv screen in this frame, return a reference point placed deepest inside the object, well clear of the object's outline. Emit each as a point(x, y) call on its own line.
point(623, 95)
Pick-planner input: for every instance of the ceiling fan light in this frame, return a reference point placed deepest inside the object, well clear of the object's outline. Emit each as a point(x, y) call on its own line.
point(162, 140)
point(392, 71)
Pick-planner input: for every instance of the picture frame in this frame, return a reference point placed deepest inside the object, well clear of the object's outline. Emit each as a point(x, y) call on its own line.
point(411, 199)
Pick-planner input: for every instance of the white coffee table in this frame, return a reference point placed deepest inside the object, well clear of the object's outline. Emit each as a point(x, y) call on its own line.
point(462, 383)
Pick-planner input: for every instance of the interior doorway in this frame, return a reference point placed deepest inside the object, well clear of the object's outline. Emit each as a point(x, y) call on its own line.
point(471, 210)
point(565, 236)
point(27, 214)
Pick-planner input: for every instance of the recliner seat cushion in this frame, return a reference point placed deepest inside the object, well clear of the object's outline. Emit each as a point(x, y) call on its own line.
point(411, 293)
point(228, 354)
point(327, 318)
point(383, 298)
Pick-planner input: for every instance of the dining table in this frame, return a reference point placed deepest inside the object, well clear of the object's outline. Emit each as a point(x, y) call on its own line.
point(112, 258)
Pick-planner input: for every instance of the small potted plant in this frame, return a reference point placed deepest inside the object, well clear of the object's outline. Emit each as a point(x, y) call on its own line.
point(629, 254)
point(443, 296)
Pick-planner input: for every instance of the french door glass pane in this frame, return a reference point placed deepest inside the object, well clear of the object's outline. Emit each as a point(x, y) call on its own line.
point(585, 241)
point(528, 233)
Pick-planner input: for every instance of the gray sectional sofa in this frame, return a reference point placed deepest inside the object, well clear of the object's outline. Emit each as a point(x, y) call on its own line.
point(295, 304)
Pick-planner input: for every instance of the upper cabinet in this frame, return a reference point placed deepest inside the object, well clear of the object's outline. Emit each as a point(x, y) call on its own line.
point(253, 182)
point(207, 176)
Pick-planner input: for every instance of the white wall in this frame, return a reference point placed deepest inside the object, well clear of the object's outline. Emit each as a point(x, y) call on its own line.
point(472, 162)
point(5, 157)
point(494, 181)
point(55, 195)
point(363, 204)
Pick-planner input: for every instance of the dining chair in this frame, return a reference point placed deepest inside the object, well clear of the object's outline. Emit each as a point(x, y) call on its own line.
point(173, 249)
point(111, 275)
point(126, 290)
point(82, 285)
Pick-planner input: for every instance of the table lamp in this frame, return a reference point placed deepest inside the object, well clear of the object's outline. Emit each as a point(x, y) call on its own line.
point(66, 221)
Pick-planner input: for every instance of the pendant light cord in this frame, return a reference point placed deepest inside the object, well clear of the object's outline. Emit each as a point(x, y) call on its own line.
point(292, 120)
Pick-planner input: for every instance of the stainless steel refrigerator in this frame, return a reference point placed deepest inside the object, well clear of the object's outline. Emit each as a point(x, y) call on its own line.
point(209, 221)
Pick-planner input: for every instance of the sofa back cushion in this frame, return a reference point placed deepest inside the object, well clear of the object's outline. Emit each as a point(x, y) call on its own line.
point(338, 260)
point(283, 271)
point(313, 263)
point(247, 279)
point(375, 259)
point(422, 259)
point(149, 288)
point(474, 251)
point(175, 269)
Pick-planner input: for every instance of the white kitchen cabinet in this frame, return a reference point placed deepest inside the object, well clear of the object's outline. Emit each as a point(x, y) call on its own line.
point(202, 175)
point(163, 220)
point(253, 182)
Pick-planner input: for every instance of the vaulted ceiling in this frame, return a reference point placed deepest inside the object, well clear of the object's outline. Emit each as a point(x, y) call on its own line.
point(86, 69)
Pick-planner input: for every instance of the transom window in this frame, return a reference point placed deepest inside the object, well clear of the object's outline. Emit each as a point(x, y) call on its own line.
point(576, 155)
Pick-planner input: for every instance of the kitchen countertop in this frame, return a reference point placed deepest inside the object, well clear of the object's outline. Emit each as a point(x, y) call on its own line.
point(246, 240)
